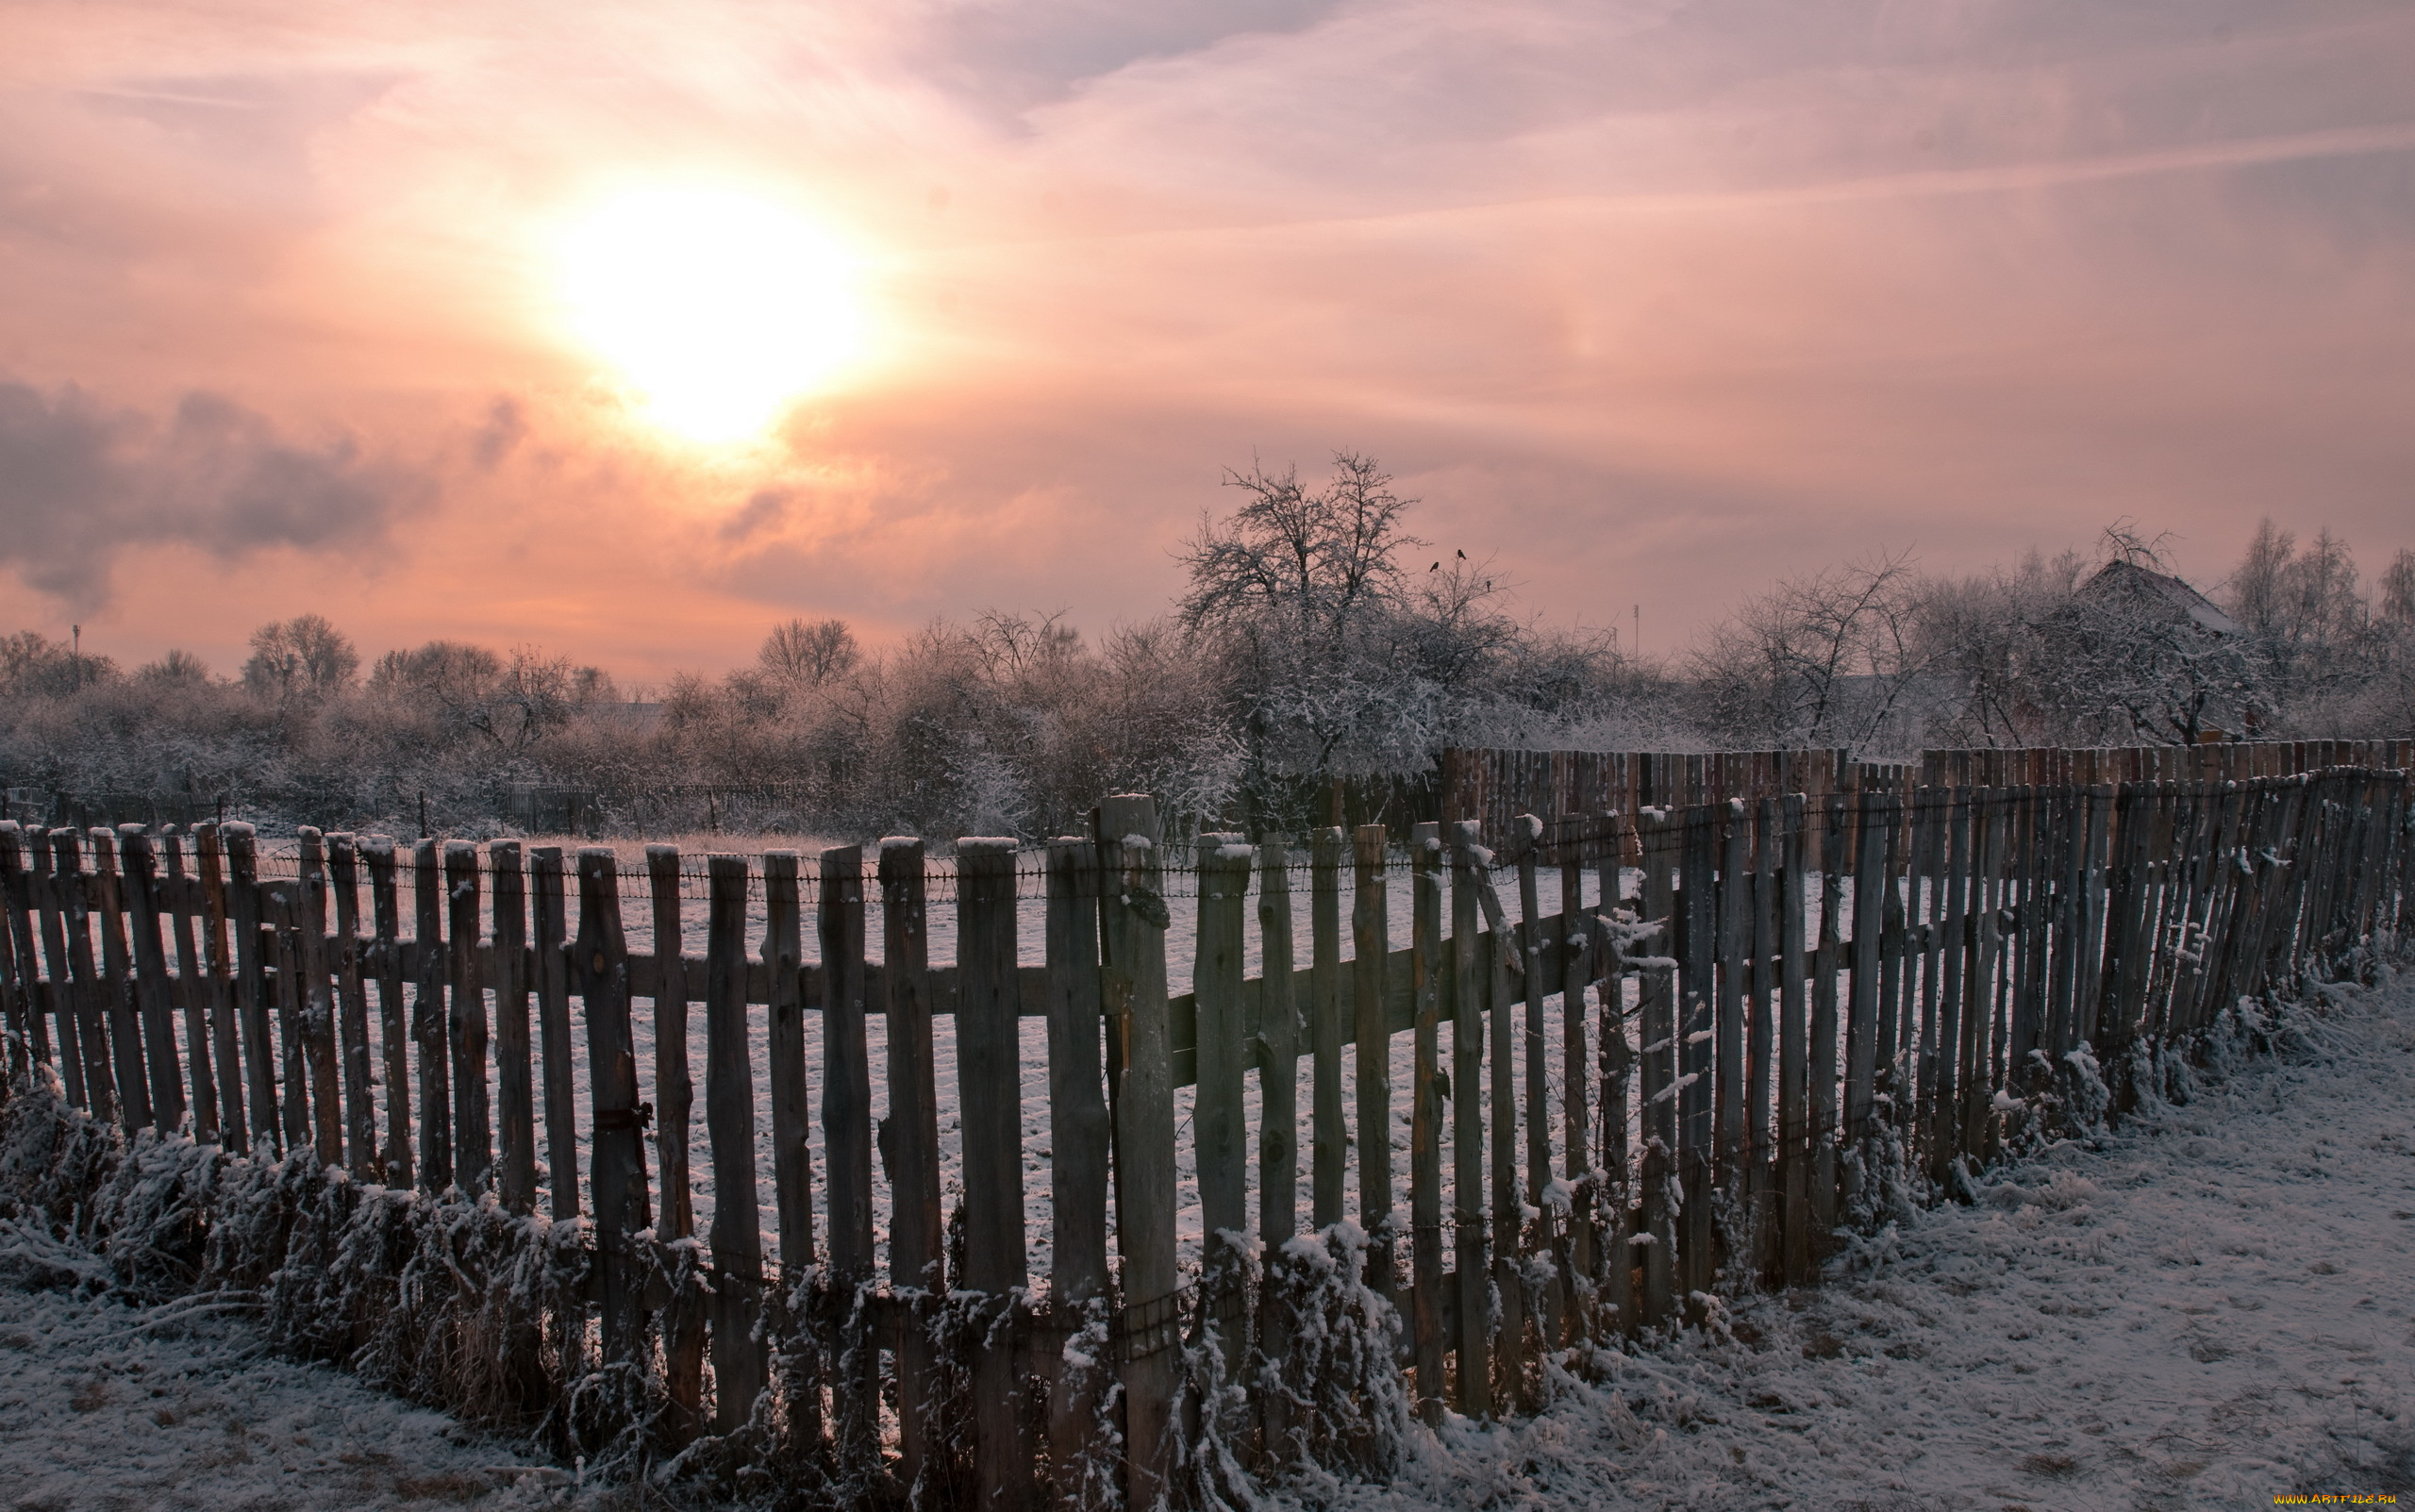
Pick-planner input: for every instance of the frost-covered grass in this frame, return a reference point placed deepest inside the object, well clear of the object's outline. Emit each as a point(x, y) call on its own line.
point(182, 1406)
point(2204, 1307)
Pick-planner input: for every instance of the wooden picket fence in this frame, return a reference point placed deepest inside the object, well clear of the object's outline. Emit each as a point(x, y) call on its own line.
point(1777, 1018)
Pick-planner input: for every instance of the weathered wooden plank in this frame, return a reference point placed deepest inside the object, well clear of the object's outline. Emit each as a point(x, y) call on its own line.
point(551, 963)
point(428, 1030)
point(352, 998)
point(514, 1081)
point(1953, 1038)
point(847, 1122)
point(1279, 1147)
point(107, 917)
point(224, 994)
point(1472, 1011)
point(909, 1144)
point(1522, 954)
point(1794, 1044)
point(990, 1092)
point(1080, 1136)
point(165, 1072)
point(18, 975)
point(1762, 1004)
point(393, 1024)
point(740, 1365)
point(1734, 963)
point(66, 1004)
point(1571, 941)
point(1822, 1078)
point(1697, 957)
point(1864, 1037)
point(317, 999)
point(1331, 1138)
point(1428, 972)
point(196, 987)
point(281, 905)
point(1219, 1135)
point(466, 1025)
point(1661, 835)
point(1133, 980)
point(600, 974)
point(1371, 944)
point(675, 1102)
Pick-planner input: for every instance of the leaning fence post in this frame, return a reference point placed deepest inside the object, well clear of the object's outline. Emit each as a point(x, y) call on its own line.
point(601, 977)
point(141, 882)
point(198, 986)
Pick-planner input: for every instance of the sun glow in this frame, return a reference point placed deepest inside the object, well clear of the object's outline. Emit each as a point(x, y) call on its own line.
point(721, 307)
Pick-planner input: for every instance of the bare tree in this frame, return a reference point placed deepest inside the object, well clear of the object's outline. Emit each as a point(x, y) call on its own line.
point(305, 655)
point(1825, 659)
point(804, 654)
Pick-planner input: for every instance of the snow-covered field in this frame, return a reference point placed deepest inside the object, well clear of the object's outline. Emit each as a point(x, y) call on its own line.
point(2210, 1309)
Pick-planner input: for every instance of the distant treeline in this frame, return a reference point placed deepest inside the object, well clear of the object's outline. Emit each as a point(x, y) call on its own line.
point(1307, 647)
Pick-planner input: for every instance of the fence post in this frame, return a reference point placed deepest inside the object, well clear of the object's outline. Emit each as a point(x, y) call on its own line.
point(1278, 1175)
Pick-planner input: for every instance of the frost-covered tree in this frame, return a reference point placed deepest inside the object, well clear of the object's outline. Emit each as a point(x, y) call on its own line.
point(304, 655)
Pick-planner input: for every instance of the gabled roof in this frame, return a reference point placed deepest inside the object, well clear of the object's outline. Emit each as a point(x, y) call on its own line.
point(2154, 590)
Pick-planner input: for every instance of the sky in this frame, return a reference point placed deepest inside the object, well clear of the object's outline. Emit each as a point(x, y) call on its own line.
point(331, 306)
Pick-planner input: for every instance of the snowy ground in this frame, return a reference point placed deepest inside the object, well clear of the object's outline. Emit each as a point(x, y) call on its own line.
point(105, 1408)
point(2209, 1309)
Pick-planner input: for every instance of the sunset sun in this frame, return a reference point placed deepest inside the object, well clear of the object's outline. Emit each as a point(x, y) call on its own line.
point(720, 307)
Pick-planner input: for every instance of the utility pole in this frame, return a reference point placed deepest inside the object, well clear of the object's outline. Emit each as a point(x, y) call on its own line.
point(77, 656)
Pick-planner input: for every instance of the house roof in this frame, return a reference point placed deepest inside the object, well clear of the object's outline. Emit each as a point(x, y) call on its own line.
point(2143, 586)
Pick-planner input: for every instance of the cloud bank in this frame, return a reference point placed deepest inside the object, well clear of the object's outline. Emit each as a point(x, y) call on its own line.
point(1655, 300)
